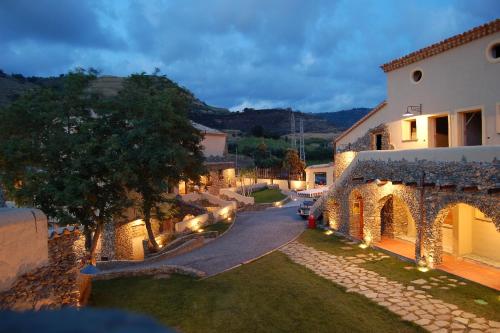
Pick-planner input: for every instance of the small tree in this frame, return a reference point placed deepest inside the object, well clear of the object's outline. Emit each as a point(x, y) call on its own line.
point(54, 155)
point(156, 144)
point(293, 164)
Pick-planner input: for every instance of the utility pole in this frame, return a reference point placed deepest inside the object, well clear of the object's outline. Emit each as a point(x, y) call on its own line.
point(292, 123)
point(302, 150)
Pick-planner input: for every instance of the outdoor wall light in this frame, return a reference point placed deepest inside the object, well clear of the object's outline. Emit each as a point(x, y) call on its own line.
point(412, 109)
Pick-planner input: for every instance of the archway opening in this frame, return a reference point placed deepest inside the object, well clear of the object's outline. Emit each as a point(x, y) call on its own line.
point(397, 227)
point(467, 233)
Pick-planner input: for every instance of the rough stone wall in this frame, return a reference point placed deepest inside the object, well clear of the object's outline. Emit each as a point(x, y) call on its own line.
point(445, 184)
point(399, 217)
point(342, 161)
point(368, 140)
point(126, 232)
point(54, 285)
point(387, 218)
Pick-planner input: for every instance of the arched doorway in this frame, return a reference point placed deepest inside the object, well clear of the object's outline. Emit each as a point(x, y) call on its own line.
point(356, 215)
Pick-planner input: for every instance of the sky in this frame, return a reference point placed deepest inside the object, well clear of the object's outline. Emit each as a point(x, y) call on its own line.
point(311, 55)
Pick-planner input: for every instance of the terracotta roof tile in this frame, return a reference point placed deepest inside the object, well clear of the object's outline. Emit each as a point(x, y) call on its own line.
point(445, 45)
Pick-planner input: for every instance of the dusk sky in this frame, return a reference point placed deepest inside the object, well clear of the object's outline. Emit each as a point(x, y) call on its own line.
point(313, 56)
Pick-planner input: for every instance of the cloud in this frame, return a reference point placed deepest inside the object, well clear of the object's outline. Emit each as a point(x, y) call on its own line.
point(313, 56)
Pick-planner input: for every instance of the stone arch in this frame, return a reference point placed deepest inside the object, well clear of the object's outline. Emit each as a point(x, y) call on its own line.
point(439, 210)
point(394, 217)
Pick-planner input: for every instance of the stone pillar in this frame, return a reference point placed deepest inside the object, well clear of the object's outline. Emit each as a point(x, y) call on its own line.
point(107, 241)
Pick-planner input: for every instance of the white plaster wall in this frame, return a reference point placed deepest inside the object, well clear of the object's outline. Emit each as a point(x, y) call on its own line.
point(310, 171)
point(474, 153)
point(485, 239)
point(23, 243)
point(453, 81)
point(214, 144)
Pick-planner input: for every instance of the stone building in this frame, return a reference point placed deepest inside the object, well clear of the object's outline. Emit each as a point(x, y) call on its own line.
point(420, 174)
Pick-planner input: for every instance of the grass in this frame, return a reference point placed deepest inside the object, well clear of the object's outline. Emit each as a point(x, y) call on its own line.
point(271, 294)
point(393, 268)
point(221, 227)
point(268, 195)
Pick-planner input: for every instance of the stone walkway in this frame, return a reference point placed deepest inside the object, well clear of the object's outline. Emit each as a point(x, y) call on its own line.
point(411, 303)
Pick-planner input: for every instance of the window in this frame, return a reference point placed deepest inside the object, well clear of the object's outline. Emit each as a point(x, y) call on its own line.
point(493, 51)
point(416, 75)
point(409, 130)
point(320, 178)
point(472, 128)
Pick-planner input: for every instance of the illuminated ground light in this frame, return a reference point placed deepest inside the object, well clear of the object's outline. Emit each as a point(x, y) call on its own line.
point(423, 269)
point(200, 230)
point(229, 219)
point(328, 232)
point(363, 246)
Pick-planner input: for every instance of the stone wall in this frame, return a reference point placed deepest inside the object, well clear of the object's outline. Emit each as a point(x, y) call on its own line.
point(368, 141)
point(54, 285)
point(445, 184)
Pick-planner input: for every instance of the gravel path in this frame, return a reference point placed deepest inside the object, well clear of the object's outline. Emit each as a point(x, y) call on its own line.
point(252, 235)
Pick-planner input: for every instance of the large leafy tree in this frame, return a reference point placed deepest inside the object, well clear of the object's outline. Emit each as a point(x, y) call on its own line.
point(55, 155)
point(293, 164)
point(155, 143)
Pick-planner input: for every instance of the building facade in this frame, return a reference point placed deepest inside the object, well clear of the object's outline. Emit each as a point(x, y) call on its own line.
point(421, 172)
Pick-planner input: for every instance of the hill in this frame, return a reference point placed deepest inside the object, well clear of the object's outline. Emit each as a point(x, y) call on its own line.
point(345, 118)
point(273, 122)
point(270, 122)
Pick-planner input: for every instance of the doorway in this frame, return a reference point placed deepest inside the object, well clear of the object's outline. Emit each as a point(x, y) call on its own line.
point(358, 217)
point(472, 125)
point(378, 141)
point(440, 131)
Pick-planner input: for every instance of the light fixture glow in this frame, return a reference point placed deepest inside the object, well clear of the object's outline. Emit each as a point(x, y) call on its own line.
point(423, 269)
point(200, 230)
point(328, 232)
point(363, 246)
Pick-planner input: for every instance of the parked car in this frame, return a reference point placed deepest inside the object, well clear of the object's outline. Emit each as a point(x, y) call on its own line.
point(305, 208)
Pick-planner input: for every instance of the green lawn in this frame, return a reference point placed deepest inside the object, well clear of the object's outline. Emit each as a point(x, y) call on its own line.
point(268, 196)
point(393, 268)
point(221, 227)
point(272, 294)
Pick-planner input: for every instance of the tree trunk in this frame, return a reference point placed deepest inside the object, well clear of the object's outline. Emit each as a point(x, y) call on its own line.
point(95, 240)
point(147, 221)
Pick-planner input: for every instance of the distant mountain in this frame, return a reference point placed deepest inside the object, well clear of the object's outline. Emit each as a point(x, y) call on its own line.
point(274, 122)
point(345, 118)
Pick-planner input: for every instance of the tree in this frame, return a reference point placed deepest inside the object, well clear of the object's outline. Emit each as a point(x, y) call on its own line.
point(155, 143)
point(293, 164)
point(55, 155)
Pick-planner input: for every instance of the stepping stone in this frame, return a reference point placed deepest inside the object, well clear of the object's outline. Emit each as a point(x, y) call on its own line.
point(361, 255)
point(481, 301)
point(434, 284)
point(460, 320)
point(452, 285)
point(358, 261)
point(346, 248)
point(444, 288)
point(409, 268)
point(419, 281)
point(443, 277)
point(462, 283)
point(453, 280)
point(426, 287)
point(423, 322)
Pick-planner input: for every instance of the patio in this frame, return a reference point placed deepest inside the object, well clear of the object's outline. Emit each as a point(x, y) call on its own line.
point(468, 269)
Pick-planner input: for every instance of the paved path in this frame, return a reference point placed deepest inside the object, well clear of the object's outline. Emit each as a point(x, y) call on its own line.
point(410, 302)
point(252, 235)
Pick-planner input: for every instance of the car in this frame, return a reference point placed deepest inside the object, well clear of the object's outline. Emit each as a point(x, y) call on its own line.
point(305, 208)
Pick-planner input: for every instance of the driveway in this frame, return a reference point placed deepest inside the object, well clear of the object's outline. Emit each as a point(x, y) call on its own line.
point(252, 235)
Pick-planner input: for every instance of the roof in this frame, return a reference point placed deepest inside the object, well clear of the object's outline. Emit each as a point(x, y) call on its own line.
point(362, 120)
point(206, 129)
point(318, 166)
point(443, 46)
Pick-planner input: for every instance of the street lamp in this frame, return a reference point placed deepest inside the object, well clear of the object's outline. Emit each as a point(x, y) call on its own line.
point(412, 109)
